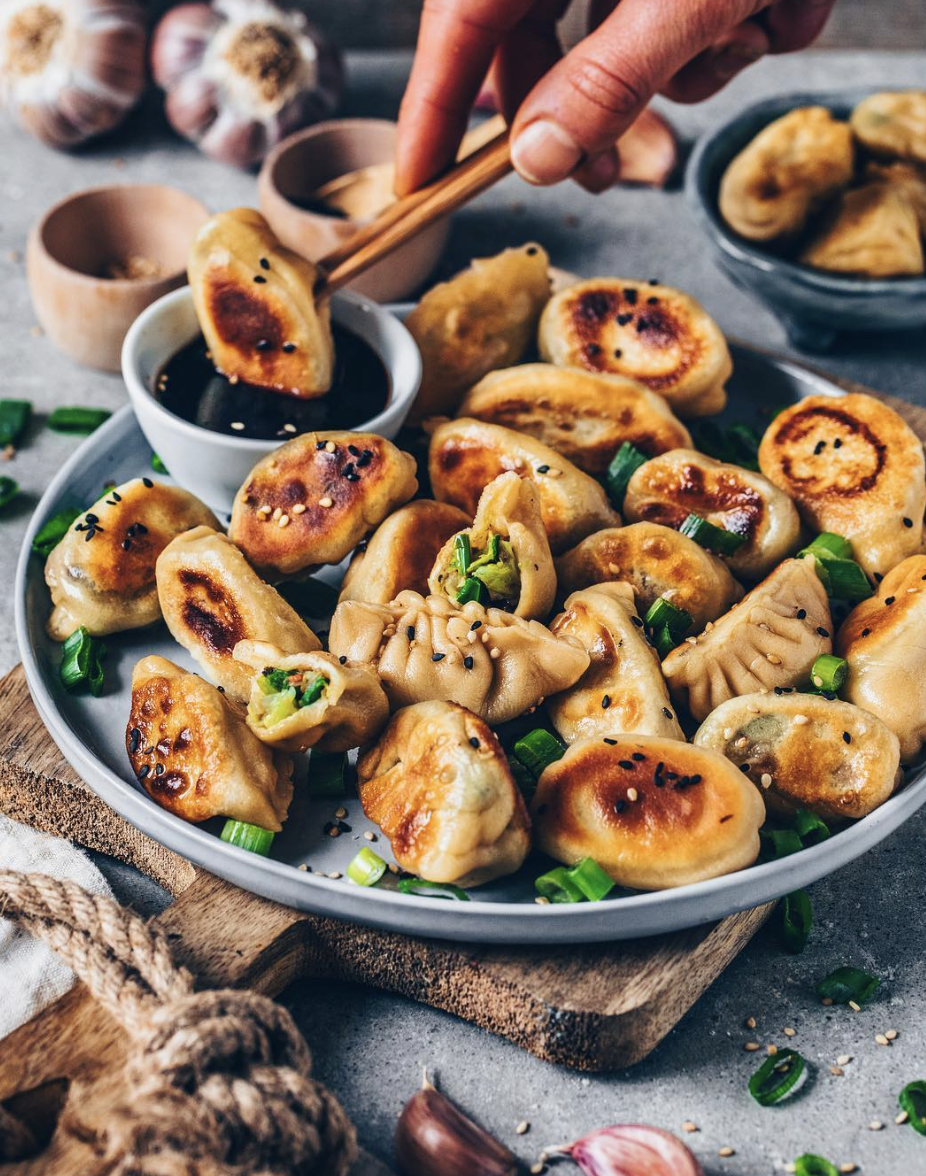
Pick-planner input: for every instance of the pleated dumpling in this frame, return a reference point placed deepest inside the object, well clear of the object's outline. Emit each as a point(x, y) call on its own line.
point(853, 467)
point(506, 551)
point(654, 813)
point(101, 574)
point(212, 598)
point(623, 688)
point(656, 335)
point(873, 231)
point(807, 751)
point(882, 639)
point(656, 561)
point(892, 123)
point(585, 416)
point(466, 455)
point(770, 639)
point(495, 664)
point(668, 488)
point(192, 752)
point(907, 178)
point(438, 785)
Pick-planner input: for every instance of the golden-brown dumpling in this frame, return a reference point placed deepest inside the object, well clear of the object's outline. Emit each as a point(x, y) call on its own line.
point(304, 700)
point(852, 466)
point(438, 785)
point(785, 173)
point(654, 813)
point(771, 638)
point(495, 664)
point(255, 303)
point(893, 123)
point(623, 688)
point(212, 598)
point(101, 574)
point(656, 335)
point(401, 551)
point(483, 318)
point(192, 752)
point(466, 455)
point(656, 561)
point(585, 416)
point(668, 488)
point(882, 639)
point(509, 526)
point(908, 178)
point(807, 751)
point(873, 231)
point(311, 501)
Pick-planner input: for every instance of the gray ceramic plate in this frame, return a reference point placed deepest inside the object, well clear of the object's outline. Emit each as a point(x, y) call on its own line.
point(90, 732)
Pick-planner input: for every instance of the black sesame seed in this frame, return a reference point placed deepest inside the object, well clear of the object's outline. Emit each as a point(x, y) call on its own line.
point(624, 319)
point(473, 741)
point(630, 295)
point(744, 767)
point(289, 348)
point(643, 324)
point(865, 632)
point(696, 779)
point(593, 349)
point(671, 775)
point(83, 527)
point(625, 764)
point(118, 497)
point(260, 279)
point(606, 702)
point(221, 689)
point(109, 503)
point(352, 477)
point(435, 657)
point(653, 301)
point(823, 632)
point(140, 528)
point(363, 460)
point(618, 354)
point(837, 444)
point(610, 742)
point(620, 805)
point(846, 737)
point(636, 621)
point(159, 769)
point(638, 756)
point(879, 577)
point(410, 632)
point(468, 663)
point(147, 483)
point(91, 518)
point(262, 345)
point(264, 263)
point(908, 522)
point(779, 691)
point(531, 251)
point(352, 449)
point(543, 469)
point(348, 469)
point(344, 827)
point(126, 544)
point(342, 659)
point(818, 448)
point(320, 444)
point(91, 531)
point(474, 626)
point(889, 599)
point(134, 737)
point(143, 771)
point(654, 281)
point(801, 613)
point(667, 712)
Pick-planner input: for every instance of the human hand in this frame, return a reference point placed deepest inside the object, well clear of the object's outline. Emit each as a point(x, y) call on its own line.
point(568, 112)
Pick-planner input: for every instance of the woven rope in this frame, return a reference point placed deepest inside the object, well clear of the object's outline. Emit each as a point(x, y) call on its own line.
point(219, 1082)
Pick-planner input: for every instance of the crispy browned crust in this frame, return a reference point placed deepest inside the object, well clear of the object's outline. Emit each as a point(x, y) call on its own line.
point(893, 123)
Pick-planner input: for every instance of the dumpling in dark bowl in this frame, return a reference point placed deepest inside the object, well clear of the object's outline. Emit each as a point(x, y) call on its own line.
point(892, 123)
point(872, 231)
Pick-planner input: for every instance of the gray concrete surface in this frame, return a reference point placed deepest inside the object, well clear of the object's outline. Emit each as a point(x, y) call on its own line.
point(370, 1048)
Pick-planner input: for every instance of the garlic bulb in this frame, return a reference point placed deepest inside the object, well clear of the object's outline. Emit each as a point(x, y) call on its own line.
point(71, 69)
point(240, 75)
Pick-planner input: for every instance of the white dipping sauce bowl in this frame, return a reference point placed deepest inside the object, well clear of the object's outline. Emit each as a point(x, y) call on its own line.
point(213, 465)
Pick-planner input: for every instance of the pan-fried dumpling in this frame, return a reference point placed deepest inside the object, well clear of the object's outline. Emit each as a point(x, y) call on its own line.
point(438, 785)
point(508, 553)
point(304, 700)
point(873, 231)
point(770, 639)
point(892, 123)
point(785, 173)
point(401, 551)
point(495, 664)
point(311, 501)
point(656, 561)
point(806, 751)
point(907, 178)
point(483, 318)
point(101, 574)
point(192, 752)
point(852, 466)
point(882, 640)
point(654, 813)
point(656, 335)
point(255, 303)
point(623, 688)
point(585, 416)
point(466, 455)
point(668, 488)
point(211, 599)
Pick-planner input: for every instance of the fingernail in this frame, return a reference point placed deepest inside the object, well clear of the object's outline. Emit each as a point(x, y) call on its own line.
point(545, 152)
point(733, 58)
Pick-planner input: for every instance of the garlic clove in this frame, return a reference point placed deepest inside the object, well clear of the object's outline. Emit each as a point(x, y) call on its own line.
point(631, 1149)
point(434, 1138)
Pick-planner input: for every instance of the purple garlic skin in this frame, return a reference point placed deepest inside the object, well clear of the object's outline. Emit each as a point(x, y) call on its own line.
point(632, 1149)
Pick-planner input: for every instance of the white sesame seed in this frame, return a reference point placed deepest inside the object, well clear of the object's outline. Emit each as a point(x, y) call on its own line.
point(843, 1059)
point(330, 446)
point(334, 831)
point(790, 1166)
point(750, 1022)
point(265, 509)
point(325, 502)
point(901, 1118)
point(708, 626)
point(522, 1128)
point(689, 1127)
point(876, 1125)
point(237, 425)
point(283, 521)
point(632, 794)
point(288, 428)
point(334, 875)
point(848, 1167)
point(233, 379)
point(891, 1034)
point(613, 569)
point(725, 1152)
point(277, 512)
point(800, 720)
point(837, 1071)
point(741, 742)
point(537, 1168)
point(340, 813)
point(771, 1050)
point(299, 508)
point(765, 780)
point(854, 1007)
point(752, 708)
point(303, 866)
point(789, 1032)
point(881, 1039)
point(553, 472)
point(773, 658)
point(540, 900)
point(751, 1046)
point(495, 653)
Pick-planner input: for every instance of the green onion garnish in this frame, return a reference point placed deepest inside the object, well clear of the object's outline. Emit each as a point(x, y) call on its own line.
point(667, 624)
point(848, 984)
point(14, 420)
point(326, 773)
point(845, 580)
point(796, 921)
point(744, 443)
point(250, 837)
point(738, 444)
point(50, 534)
point(310, 597)
point(558, 886)
point(711, 538)
point(473, 589)
point(366, 868)
point(158, 466)
point(462, 553)
point(780, 843)
point(809, 827)
point(82, 662)
point(624, 464)
point(78, 420)
point(776, 1077)
point(8, 490)
point(828, 545)
point(912, 1099)
point(664, 641)
point(591, 879)
point(538, 749)
point(811, 1165)
point(525, 779)
point(828, 672)
point(432, 889)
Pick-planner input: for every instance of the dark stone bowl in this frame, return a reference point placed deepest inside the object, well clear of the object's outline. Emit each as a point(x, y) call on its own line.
point(813, 305)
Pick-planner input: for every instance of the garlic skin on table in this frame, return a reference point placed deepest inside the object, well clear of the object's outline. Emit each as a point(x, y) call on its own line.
point(71, 69)
point(241, 75)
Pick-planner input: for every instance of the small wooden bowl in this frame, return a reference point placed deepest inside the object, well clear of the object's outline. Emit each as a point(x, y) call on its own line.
point(71, 247)
point(301, 164)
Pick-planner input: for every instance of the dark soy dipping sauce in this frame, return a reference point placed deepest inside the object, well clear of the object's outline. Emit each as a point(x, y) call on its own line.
point(189, 386)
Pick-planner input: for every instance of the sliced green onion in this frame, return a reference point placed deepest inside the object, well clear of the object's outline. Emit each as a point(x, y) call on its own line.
point(326, 774)
point(525, 779)
point(9, 488)
point(811, 1165)
point(744, 443)
point(158, 466)
point(78, 420)
point(82, 662)
point(828, 545)
point(845, 580)
point(664, 641)
point(432, 889)
point(776, 1077)
point(780, 842)
point(538, 749)
point(711, 538)
point(558, 886)
point(796, 921)
point(50, 534)
point(462, 553)
point(912, 1099)
point(847, 983)
point(14, 420)
point(366, 868)
point(624, 465)
point(663, 612)
point(310, 597)
point(809, 827)
point(591, 879)
point(250, 837)
point(828, 672)
point(473, 589)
